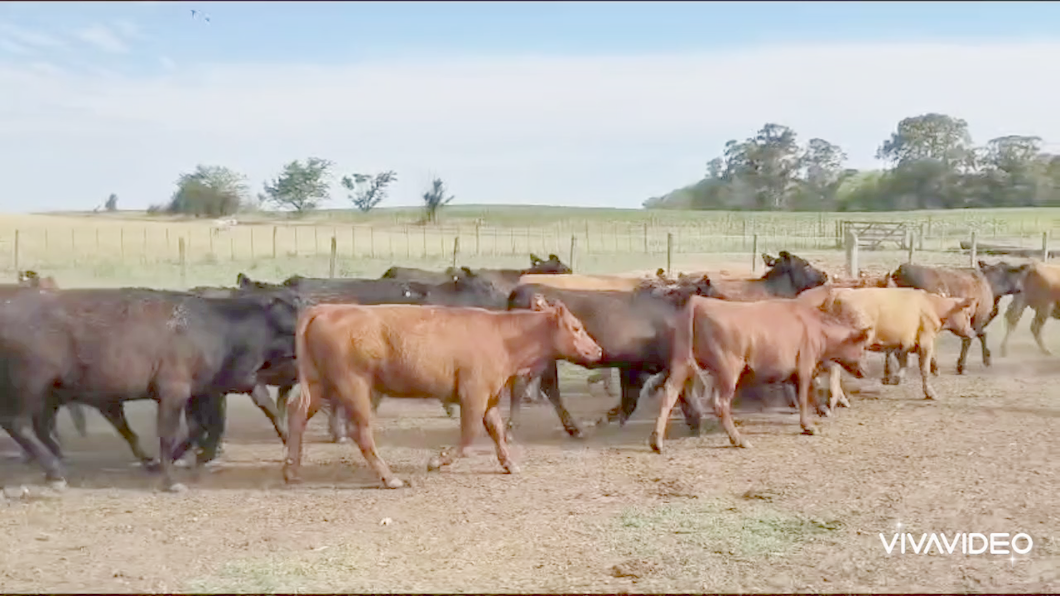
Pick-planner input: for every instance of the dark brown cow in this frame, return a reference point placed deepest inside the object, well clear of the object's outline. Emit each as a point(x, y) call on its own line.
point(787, 277)
point(963, 282)
point(468, 355)
point(765, 341)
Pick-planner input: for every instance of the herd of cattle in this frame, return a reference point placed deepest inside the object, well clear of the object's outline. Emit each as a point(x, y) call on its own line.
point(469, 337)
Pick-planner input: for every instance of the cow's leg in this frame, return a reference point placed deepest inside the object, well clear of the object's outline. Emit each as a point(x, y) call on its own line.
point(355, 394)
point(44, 427)
point(925, 352)
point(209, 414)
point(171, 400)
point(515, 400)
point(261, 398)
point(725, 387)
point(803, 381)
point(676, 381)
point(888, 372)
point(299, 412)
point(495, 427)
point(986, 350)
point(114, 412)
point(337, 423)
point(689, 406)
point(20, 428)
point(550, 385)
point(902, 355)
point(474, 403)
point(1041, 315)
point(77, 414)
point(1012, 318)
point(965, 345)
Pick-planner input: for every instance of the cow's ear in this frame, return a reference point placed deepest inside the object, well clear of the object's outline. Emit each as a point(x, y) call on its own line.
point(534, 259)
point(861, 335)
point(981, 264)
point(467, 271)
point(242, 280)
point(553, 258)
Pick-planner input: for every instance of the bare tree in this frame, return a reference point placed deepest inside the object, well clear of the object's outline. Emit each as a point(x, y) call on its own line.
point(367, 191)
point(434, 199)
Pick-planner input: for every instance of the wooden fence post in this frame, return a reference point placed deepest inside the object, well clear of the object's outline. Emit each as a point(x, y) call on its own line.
point(645, 238)
point(274, 229)
point(334, 254)
point(16, 252)
point(852, 254)
point(456, 249)
point(573, 246)
point(754, 253)
point(476, 237)
point(974, 253)
point(1045, 246)
point(669, 251)
point(183, 262)
point(912, 247)
point(121, 240)
point(252, 243)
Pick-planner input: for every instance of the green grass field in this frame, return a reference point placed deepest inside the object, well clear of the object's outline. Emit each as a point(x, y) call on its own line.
point(133, 248)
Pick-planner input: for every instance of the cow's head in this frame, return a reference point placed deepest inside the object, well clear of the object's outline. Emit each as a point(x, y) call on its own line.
point(795, 271)
point(472, 283)
point(281, 316)
point(572, 342)
point(769, 260)
point(1004, 278)
point(957, 317)
point(845, 344)
point(552, 265)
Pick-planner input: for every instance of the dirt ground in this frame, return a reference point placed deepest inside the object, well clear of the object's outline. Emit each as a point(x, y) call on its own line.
point(601, 514)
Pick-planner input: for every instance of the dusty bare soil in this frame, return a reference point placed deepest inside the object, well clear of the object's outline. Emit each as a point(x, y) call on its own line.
point(602, 514)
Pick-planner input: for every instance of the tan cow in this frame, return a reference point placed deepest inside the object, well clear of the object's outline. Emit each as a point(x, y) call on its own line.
point(1041, 291)
point(903, 320)
point(765, 341)
point(463, 355)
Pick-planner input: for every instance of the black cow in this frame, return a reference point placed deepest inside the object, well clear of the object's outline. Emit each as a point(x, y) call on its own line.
point(105, 346)
point(504, 279)
point(1005, 280)
point(634, 330)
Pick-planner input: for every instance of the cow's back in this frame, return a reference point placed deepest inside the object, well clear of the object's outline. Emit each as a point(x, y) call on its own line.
point(1042, 284)
point(573, 281)
point(961, 282)
point(896, 315)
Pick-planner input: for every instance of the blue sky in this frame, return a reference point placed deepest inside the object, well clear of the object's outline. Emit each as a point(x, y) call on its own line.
point(580, 103)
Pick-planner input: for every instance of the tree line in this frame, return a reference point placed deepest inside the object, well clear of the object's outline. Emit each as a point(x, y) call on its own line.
point(931, 164)
point(301, 187)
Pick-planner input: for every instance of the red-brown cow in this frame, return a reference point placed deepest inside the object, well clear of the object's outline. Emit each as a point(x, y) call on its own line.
point(765, 341)
point(462, 355)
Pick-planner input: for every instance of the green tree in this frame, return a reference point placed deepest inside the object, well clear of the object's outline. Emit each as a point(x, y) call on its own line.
point(930, 137)
point(301, 187)
point(434, 199)
point(209, 191)
point(367, 191)
point(112, 203)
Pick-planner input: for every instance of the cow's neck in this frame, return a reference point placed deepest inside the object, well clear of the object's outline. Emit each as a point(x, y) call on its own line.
point(530, 339)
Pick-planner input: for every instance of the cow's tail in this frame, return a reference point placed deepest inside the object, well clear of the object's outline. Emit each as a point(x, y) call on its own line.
point(304, 362)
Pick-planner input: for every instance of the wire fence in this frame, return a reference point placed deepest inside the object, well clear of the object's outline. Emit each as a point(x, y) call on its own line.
point(189, 244)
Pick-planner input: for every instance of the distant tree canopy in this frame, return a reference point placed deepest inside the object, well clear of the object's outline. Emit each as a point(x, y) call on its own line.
point(932, 161)
point(367, 191)
point(112, 203)
point(209, 191)
point(301, 187)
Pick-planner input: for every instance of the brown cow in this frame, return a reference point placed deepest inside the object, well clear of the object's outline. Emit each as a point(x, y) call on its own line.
point(464, 355)
point(903, 320)
point(957, 282)
point(765, 341)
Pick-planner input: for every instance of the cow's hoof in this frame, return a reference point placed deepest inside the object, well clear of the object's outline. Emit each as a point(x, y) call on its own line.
point(393, 483)
point(655, 443)
point(511, 468)
point(57, 484)
point(889, 381)
point(434, 464)
point(341, 440)
point(175, 488)
point(152, 465)
point(742, 444)
point(809, 430)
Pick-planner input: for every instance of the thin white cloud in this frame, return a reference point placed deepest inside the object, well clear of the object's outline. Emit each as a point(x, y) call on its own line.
point(545, 130)
point(28, 37)
point(167, 63)
point(103, 38)
point(129, 29)
point(14, 47)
